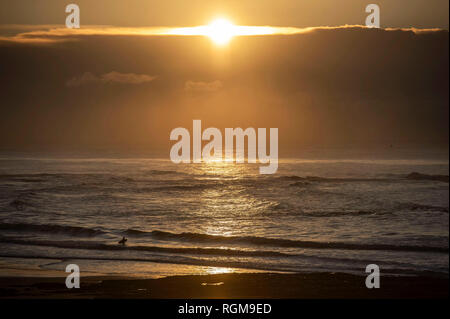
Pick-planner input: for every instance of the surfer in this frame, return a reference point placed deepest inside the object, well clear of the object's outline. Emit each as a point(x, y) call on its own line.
point(123, 241)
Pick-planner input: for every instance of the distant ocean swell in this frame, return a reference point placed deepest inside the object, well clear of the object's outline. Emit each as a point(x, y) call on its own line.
point(25, 201)
point(42, 177)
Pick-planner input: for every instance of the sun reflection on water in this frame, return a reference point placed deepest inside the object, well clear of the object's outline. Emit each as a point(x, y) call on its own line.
point(218, 270)
point(232, 200)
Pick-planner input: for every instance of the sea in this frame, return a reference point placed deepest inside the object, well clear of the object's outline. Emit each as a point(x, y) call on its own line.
point(324, 212)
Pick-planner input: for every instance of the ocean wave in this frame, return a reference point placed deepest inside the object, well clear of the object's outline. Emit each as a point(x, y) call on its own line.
point(53, 229)
point(43, 175)
point(409, 207)
point(308, 179)
point(421, 207)
point(163, 172)
point(276, 242)
point(88, 245)
point(40, 177)
point(393, 177)
point(426, 177)
point(185, 260)
point(341, 213)
point(194, 187)
point(121, 179)
point(19, 204)
point(23, 200)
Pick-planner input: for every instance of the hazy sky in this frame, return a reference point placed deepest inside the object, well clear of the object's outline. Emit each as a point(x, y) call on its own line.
point(325, 87)
point(299, 13)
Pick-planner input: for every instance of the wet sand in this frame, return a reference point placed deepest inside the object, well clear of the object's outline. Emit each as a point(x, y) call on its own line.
point(226, 286)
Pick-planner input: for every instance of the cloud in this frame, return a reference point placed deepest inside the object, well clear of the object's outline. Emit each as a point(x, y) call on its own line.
point(191, 86)
point(336, 87)
point(416, 30)
point(44, 34)
point(108, 78)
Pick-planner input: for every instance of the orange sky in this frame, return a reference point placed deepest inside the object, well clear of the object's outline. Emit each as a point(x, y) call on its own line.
point(343, 85)
point(296, 13)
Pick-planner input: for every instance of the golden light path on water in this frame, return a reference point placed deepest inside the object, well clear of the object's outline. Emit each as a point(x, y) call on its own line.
point(222, 206)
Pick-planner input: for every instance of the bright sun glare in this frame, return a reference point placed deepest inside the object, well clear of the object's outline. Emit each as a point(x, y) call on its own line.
point(220, 31)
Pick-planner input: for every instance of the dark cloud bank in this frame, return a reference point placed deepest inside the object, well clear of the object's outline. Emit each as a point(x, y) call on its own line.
point(346, 87)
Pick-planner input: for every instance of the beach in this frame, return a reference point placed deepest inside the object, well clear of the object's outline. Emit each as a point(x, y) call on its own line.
point(227, 286)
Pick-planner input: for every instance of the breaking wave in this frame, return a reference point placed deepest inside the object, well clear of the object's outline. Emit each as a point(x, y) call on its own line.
point(276, 242)
point(55, 229)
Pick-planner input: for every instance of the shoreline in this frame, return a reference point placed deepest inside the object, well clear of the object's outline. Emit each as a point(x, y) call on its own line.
point(227, 286)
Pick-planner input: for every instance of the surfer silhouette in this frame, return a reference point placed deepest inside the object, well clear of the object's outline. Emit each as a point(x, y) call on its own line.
point(123, 241)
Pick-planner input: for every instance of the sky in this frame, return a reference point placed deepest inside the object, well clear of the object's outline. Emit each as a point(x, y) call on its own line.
point(297, 13)
point(331, 84)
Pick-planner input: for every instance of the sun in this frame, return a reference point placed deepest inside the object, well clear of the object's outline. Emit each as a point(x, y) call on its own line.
point(221, 31)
